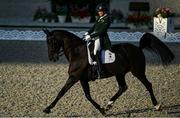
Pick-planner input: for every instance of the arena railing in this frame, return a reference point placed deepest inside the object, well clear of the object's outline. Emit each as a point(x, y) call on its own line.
point(114, 36)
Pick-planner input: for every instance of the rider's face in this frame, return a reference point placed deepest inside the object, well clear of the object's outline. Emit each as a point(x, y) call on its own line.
point(101, 13)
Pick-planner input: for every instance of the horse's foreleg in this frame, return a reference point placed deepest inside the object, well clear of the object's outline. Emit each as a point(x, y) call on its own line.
point(86, 90)
point(122, 88)
point(69, 83)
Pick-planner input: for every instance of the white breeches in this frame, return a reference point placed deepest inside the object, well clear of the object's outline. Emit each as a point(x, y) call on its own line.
point(97, 46)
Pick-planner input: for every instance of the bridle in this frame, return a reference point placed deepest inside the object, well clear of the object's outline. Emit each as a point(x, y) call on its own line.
point(67, 50)
point(61, 52)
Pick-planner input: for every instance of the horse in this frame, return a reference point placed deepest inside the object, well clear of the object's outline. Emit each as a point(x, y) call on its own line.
point(129, 58)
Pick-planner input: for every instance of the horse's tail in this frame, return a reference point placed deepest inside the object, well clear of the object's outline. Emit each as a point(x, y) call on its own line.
point(152, 43)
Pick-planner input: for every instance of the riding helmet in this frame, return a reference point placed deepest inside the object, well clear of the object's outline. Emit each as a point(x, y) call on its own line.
point(101, 7)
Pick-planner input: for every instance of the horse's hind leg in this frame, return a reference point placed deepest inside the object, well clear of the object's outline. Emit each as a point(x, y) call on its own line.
point(122, 88)
point(148, 86)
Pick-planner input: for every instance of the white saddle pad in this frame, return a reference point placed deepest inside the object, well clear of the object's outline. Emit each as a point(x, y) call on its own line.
point(107, 56)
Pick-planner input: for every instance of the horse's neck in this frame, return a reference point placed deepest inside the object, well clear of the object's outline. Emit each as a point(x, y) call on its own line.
point(70, 44)
point(67, 43)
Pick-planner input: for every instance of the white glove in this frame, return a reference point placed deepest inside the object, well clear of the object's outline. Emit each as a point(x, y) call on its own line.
point(87, 38)
point(86, 33)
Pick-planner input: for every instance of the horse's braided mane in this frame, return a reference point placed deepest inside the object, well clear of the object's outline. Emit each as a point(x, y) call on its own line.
point(74, 40)
point(69, 34)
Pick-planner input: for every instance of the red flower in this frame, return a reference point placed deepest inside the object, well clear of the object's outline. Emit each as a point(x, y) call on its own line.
point(163, 12)
point(83, 12)
point(139, 19)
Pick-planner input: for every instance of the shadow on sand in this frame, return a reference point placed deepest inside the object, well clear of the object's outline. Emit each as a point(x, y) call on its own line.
point(173, 110)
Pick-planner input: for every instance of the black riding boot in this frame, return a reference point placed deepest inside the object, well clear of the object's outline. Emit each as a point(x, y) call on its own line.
point(99, 66)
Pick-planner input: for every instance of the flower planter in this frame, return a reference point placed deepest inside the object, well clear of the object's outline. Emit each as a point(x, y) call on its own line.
point(163, 24)
point(75, 19)
point(62, 18)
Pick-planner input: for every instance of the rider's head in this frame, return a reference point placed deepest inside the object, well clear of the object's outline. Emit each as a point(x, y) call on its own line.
point(101, 9)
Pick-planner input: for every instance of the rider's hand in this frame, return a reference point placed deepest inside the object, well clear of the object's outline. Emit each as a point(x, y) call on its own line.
point(87, 38)
point(86, 33)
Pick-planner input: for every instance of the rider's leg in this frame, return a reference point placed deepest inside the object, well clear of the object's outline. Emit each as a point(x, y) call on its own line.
point(97, 46)
point(97, 49)
point(99, 65)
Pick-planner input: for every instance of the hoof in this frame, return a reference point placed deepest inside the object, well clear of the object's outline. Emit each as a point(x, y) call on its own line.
point(103, 111)
point(109, 106)
point(47, 110)
point(158, 107)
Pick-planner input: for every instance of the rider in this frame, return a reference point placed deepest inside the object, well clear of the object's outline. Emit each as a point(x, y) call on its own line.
point(98, 33)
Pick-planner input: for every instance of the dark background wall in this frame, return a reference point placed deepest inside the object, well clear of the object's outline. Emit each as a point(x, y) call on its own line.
point(20, 10)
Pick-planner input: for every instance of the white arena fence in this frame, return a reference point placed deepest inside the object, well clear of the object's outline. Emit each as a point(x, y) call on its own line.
point(114, 36)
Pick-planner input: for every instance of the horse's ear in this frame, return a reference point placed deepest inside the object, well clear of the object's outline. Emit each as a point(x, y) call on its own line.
point(47, 32)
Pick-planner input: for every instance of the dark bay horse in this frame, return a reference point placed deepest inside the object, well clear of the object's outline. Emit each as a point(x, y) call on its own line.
point(129, 58)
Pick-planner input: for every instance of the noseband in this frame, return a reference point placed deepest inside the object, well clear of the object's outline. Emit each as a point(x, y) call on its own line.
point(61, 52)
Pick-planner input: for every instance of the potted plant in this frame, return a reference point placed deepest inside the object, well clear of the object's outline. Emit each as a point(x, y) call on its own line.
point(40, 14)
point(80, 15)
point(51, 17)
point(62, 13)
point(163, 20)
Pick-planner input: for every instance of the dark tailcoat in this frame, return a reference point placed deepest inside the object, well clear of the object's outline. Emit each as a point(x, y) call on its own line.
point(99, 29)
